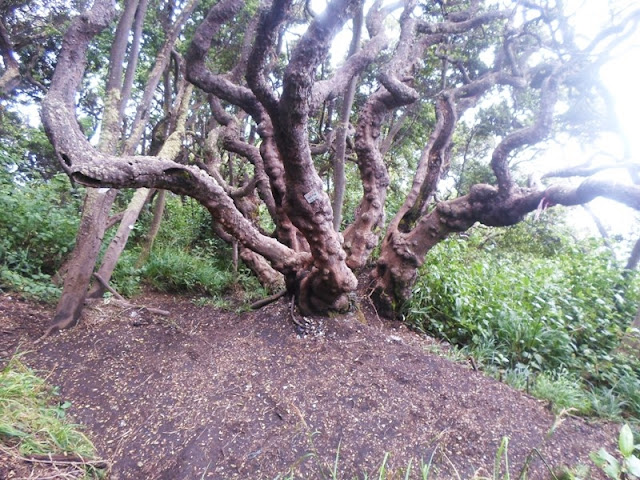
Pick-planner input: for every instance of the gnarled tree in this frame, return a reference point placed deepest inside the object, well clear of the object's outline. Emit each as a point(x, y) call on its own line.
point(273, 105)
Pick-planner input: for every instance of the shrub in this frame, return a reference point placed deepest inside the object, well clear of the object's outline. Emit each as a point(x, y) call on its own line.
point(513, 305)
point(171, 269)
point(38, 224)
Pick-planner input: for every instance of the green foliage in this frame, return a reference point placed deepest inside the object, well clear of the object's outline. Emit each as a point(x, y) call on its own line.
point(32, 417)
point(184, 223)
point(25, 152)
point(178, 270)
point(563, 391)
point(127, 277)
point(38, 224)
point(527, 300)
point(629, 467)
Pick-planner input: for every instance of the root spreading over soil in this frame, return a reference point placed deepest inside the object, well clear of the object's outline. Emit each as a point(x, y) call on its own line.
point(210, 394)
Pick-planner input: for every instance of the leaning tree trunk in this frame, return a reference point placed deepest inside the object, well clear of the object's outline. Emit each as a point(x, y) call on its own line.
point(74, 290)
point(170, 150)
point(154, 228)
point(97, 204)
point(118, 242)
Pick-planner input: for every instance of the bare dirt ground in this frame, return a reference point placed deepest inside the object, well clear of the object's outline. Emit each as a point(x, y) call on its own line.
point(206, 393)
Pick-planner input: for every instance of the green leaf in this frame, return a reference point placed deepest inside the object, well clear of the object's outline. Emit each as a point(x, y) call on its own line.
point(607, 463)
point(632, 465)
point(625, 442)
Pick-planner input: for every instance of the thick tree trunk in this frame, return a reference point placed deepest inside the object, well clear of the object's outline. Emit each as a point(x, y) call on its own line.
point(83, 258)
point(97, 203)
point(74, 293)
point(362, 236)
point(402, 254)
point(327, 285)
point(306, 248)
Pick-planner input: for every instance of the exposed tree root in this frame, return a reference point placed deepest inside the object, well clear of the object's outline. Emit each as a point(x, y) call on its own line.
point(263, 302)
point(118, 299)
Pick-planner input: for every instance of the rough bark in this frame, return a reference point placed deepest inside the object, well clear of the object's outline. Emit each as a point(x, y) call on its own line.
point(415, 230)
point(306, 203)
point(94, 168)
point(96, 208)
point(361, 237)
point(279, 105)
point(97, 202)
point(117, 96)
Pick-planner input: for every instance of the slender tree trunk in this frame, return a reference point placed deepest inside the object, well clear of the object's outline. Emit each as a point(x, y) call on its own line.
point(339, 180)
point(600, 227)
point(119, 242)
point(158, 213)
point(634, 257)
point(170, 150)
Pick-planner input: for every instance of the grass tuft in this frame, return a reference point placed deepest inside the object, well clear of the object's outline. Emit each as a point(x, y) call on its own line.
point(32, 418)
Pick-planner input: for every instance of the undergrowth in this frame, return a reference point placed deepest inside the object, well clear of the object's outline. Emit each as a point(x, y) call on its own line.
point(542, 313)
point(33, 421)
point(38, 224)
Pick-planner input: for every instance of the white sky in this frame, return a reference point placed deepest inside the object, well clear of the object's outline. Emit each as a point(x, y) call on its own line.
point(620, 76)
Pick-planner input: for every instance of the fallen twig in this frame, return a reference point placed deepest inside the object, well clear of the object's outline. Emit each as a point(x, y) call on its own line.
point(122, 301)
point(61, 459)
point(57, 459)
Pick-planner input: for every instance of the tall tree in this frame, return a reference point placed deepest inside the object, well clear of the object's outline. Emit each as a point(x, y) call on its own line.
point(444, 57)
point(98, 201)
